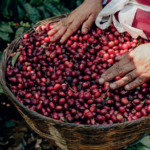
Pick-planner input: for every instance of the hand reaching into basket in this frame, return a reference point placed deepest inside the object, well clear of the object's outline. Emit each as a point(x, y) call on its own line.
point(84, 14)
point(133, 67)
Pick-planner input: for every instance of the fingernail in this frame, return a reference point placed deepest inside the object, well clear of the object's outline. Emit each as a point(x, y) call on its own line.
point(102, 75)
point(85, 30)
point(53, 38)
point(62, 40)
point(127, 87)
point(49, 33)
point(101, 81)
point(113, 86)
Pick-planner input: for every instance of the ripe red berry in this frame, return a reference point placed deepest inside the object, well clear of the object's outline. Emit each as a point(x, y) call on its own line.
point(26, 36)
point(89, 114)
point(59, 80)
point(124, 101)
point(47, 39)
point(57, 87)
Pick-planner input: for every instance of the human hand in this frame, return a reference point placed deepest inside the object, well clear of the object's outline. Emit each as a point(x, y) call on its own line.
point(133, 67)
point(85, 14)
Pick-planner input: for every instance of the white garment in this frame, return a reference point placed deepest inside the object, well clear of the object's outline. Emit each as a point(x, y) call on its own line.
point(126, 16)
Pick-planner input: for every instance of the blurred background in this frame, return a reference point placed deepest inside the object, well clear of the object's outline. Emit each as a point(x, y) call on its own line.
point(16, 17)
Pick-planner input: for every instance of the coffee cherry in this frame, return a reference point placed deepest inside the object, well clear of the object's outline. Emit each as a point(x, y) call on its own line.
point(87, 95)
point(57, 87)
point(26, 35)
point(124, 101)
point(89, 114)
point(119, 117)
point(61, 80)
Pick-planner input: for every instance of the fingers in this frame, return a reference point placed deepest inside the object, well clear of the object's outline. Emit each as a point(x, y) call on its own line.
point(117, 71)
point(88, 24)
point(54, 30)
point(59, 33)
point(121, 56)
point(123, 81)
point(120, 71)
point(138, 81)
point(54, 25)
point(71, 29)
point(58, 30)
point(118, 65)
point(65, 29)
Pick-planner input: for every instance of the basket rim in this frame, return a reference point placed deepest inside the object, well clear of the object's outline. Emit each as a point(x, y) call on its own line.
point(38, 115)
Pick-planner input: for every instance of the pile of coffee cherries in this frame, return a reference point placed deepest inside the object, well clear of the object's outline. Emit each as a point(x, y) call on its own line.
point(60, 80)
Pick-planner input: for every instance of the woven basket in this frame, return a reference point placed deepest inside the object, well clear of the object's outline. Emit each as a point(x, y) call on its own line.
point(70, 136)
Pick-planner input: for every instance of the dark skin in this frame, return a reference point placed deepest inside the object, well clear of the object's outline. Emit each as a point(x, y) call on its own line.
point(133, 67)
point(84, 15)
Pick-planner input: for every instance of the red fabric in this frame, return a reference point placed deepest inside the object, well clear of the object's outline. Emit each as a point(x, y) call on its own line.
point(144, 2)
point(142, 21)
point(142, 18)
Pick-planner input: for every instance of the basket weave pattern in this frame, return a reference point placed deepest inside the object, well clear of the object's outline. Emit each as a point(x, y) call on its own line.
point(69, 136)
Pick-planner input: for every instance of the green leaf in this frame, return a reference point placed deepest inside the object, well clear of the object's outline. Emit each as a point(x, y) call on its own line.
point(19, 32)
point(142, 148)
point(4, 36)
point(26, 29)
point(63, 9)
point(0, 55)
point(44, 12)
point(4, 7)
point(13, 10)
point(65, 120)
point(5, 27)
point(14, 59)
point(138, 43)
point(107, 98)
point(35, 2)
point(21, 3)
point(53, 2)
point(38, 15)
point(79, 2)
point(1, 91)
point(146, 141)
point(131, 148)
point(9, 123)
point(138, 88)
point(21, 13)
point(52, 9)
point(88, 48)
point(32, 13)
